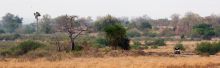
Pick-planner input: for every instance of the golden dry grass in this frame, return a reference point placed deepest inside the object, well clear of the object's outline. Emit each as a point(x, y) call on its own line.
point(189, 61)
point(119, 62)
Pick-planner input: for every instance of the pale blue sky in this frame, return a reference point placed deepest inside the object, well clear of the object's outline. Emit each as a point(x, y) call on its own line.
point(131, 8)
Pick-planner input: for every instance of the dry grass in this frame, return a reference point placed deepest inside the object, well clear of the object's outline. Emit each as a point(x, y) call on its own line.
point(118, 62)
point(189, 61)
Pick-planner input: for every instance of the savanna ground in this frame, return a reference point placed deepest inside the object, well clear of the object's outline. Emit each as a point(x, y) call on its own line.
point(156, 58)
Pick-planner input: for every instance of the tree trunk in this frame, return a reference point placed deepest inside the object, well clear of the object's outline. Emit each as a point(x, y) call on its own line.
point(72, 41)
point(72, 44)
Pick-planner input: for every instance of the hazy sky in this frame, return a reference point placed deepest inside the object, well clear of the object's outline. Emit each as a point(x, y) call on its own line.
point(153, 8)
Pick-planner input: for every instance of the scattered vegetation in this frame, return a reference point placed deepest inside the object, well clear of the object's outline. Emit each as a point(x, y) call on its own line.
point(159, 42)
point(69, 36)
point(136, 45)
point(154, 47)
point(9, 36)
point(101, 42)
point(133, 33)
point(23, 48)
point(204, 31)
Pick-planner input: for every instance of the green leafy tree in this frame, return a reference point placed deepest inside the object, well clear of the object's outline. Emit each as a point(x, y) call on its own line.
point(204, 31)
point(11, 22)
point(103, 22)
point(145, 25)
point(115, 32)
point(142, 23)
point(116, 35)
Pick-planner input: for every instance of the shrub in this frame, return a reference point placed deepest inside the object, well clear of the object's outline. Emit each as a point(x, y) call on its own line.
point(179, 46)
point(23, 48)
point(154, 47)
point(216, 45)
point(7, 44)
point(27, 46)
point(133, 33)
point(146, 47)
point(124, 44)
point(137, 45)
point(159, 42)
point(40, 52)
point(150, 34)
point(78, 48)
point(101, 42)
point(9, 36)
point(208, 48)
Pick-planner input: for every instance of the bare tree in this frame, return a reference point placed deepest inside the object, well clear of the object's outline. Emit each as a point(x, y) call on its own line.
point(174, 22)
point(72, 26)
point(187, 22)
point(45, 24)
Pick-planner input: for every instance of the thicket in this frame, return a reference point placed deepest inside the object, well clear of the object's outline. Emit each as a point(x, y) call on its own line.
point(207, 48)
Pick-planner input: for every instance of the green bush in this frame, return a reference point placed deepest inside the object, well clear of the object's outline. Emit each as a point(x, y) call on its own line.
point(101, 42)
point(179, 46)
point(23, 48)
point(216, 45)
point(159, 42)
point(27, 46)
point(137, 45)
point(150, 34)
point(78, 48)
point(133, 33)
point(90, 41)
point(154, 47)
point(208, 48)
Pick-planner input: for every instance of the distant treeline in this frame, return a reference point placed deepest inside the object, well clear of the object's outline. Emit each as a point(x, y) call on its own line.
point(139, 26)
